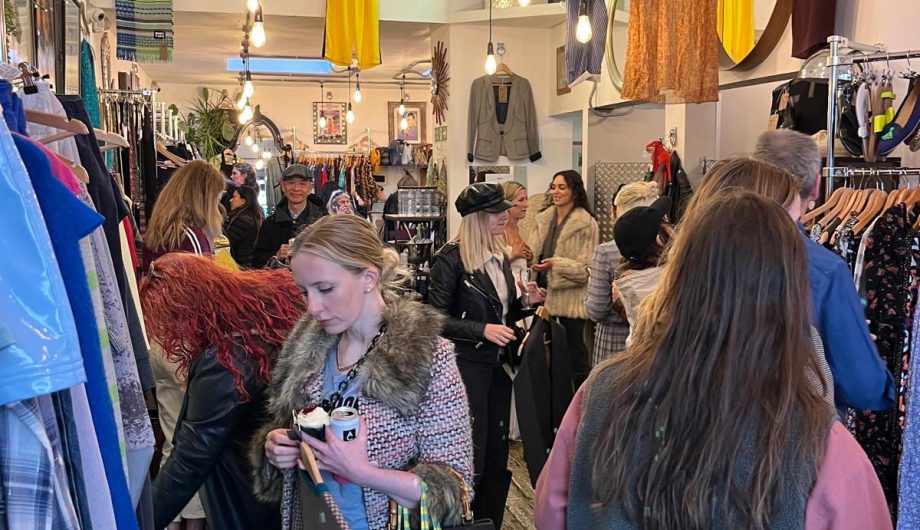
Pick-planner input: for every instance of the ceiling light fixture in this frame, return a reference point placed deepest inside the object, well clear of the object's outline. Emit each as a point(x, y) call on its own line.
point(248, 88)
point(402, 96)
point(349, 114)
point(266, 154)
point(260, 164)
point(322, 114)
point(490, 51)
point(524, 3)
point(247, 114)
point(258, 29)
point(248, 140)
point(358, 88)
point(583, 31)
point(255, 146)
point(252, 5)
point(403, 123)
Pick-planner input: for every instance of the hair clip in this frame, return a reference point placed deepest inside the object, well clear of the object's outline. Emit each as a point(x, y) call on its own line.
point(154, 273)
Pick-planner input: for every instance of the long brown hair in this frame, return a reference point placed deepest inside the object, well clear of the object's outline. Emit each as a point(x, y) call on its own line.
point(764, 178)
point(188, 200)
point(191, 303)
point(717, 364)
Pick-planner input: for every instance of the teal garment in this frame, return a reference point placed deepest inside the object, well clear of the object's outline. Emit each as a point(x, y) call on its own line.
point(88, 90)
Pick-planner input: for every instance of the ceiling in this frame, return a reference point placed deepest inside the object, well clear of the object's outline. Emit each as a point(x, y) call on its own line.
point(204, 42)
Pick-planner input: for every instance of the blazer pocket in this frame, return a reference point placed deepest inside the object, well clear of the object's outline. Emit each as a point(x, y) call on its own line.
point(483, 147)
point(522, 146)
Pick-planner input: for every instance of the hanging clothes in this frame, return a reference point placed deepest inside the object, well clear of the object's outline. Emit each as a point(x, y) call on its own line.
point(88, 90)
point(672, 58)
point(352, 30)
point(583, 60)
point(45, 101)
point(735, 27)
point(812, 23)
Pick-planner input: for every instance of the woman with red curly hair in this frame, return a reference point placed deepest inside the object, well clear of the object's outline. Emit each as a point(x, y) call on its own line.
point(223, 330)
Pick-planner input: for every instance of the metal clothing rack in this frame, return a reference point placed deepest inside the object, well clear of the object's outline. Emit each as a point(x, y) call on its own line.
point(873, 53)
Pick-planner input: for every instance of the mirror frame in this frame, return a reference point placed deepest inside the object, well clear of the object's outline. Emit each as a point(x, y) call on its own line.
point(613, 69)
point(779, 19)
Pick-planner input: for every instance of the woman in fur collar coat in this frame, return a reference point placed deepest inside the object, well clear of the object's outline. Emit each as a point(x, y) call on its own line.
point(564, 236)
point(362, 345)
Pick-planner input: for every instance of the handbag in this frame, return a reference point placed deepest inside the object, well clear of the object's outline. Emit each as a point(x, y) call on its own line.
point(401, 518)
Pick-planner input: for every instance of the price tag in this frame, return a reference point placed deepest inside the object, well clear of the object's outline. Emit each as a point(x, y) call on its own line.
point(503, 94)
point(773, 122)
point(783, 100)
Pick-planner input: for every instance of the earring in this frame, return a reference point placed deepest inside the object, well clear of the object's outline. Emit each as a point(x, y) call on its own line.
point(811, 205)
point(367, 290)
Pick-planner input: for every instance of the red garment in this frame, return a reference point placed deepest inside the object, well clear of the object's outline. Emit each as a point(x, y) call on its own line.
point(129, 233)
point(661, 160)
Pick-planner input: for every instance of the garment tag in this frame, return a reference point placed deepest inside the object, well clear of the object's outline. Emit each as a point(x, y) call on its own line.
point(773, 123)
point(502, 94)
point(783, 100)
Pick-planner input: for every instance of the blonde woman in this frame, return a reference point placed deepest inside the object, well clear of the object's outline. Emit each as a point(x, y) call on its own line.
point(564, 236)
point(363, 344)
point(612, 330)
point(519, 253)
point(185, 218)
point(472, 284)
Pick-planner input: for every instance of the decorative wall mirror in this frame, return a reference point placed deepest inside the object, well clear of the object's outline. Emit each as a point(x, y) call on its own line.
point(257, 123)
point(749, 31)
point(617, 37)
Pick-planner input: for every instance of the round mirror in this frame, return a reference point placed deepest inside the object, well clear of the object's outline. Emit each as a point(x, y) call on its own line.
point(749, 30)
point(617, 37)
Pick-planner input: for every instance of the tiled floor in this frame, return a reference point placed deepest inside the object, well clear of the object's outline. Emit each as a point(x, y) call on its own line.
point(519, 509)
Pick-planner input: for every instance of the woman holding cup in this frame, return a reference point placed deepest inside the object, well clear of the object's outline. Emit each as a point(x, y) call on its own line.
point(472, 283)
point(364, 346)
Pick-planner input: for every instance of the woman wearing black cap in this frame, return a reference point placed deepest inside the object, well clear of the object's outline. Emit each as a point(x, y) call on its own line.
point(472, 283)
point(564, 236)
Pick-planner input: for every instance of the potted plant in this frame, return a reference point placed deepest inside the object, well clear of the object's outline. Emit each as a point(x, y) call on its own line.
point(208, 124)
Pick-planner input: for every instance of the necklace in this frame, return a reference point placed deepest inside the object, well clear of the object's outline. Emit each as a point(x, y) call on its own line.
point(353, 369)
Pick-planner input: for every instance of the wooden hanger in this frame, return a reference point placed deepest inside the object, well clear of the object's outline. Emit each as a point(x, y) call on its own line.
point(71, 127)
point(161, 148)
point(842, 202)
point(113, 139)
point(874, 206)
point(78, 170)
point(827, 206)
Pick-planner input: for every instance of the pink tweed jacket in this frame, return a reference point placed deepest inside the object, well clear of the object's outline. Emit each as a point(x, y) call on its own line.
point(412, 398)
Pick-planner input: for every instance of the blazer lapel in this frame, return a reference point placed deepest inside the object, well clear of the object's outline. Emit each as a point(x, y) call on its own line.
point(512, 100)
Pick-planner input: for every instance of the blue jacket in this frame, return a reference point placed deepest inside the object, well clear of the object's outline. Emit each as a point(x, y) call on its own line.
point(861, 379)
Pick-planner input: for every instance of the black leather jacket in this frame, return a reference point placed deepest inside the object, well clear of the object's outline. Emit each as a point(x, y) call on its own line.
point(470, 301)
point(212, 436)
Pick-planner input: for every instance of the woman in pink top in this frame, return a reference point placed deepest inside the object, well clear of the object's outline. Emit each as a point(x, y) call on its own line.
point(708, 419)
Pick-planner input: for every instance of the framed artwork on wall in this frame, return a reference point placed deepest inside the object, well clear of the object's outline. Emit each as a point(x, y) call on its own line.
point(336, 130)
point(562, 85)
point(416, 122)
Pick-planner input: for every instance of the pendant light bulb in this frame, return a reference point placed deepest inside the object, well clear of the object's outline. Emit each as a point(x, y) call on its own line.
point(260, 164)
point(241, 104)
point(255, 147)
point(490, 59)
point(322, 115)
point(257, 37)
point(246, 115)
point(523, 3)
point(403, 124)
point(358, 89)
point(252, 5)
point(248, 88)
point(248, 140)
point(266, 154)
point(350, 115)
point(402, 108)
point(583, 31)
point(322, 121)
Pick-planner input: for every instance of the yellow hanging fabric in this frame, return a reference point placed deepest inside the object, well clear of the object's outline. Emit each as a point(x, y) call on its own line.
point(736, 27)
point(352, 30)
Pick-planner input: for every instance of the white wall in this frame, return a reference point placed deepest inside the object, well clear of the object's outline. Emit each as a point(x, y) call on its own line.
point(292, 106)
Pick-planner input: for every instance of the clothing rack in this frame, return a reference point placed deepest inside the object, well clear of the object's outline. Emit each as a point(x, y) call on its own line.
point(874, 53)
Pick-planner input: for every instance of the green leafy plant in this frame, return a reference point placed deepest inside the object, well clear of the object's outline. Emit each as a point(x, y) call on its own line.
point(208, 124)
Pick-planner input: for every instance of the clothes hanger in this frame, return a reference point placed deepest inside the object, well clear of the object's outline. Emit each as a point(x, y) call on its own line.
point(73, 127)
point(78, 170)
point(827, 206)
point(874, 207)
point(161, 148)
point(114, 139)
point(842, 201)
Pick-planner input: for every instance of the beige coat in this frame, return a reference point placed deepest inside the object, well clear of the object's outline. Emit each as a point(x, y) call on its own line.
point(568, 279)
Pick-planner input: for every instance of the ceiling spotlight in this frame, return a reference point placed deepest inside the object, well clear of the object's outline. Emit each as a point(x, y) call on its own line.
point(349, 115)
point(252, 5)
point(258, 29)
point(583, 32)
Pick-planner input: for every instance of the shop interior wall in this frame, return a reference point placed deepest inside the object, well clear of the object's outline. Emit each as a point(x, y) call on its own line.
point(467, 43)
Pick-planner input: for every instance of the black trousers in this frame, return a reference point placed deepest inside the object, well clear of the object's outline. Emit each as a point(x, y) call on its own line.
point(578, 351)
point(488, 389)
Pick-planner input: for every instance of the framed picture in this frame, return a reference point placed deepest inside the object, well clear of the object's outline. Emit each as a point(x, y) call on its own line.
point(336, 129)
point(562, 84)
point(416, 122)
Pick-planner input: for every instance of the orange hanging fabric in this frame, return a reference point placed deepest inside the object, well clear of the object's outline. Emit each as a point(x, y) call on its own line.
point(352, 31)
point(673, 52)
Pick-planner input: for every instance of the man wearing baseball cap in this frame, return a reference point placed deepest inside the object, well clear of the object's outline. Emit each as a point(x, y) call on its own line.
point(300, 207)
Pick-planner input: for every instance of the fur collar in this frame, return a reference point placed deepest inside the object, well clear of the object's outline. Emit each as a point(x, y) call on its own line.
point(578, 220)
point(396, 373)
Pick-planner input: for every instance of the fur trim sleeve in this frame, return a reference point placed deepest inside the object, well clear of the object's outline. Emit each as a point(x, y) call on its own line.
point(267, 479)
point(445, 437)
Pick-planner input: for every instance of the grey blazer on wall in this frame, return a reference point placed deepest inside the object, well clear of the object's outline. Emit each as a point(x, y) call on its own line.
point(517, 138)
